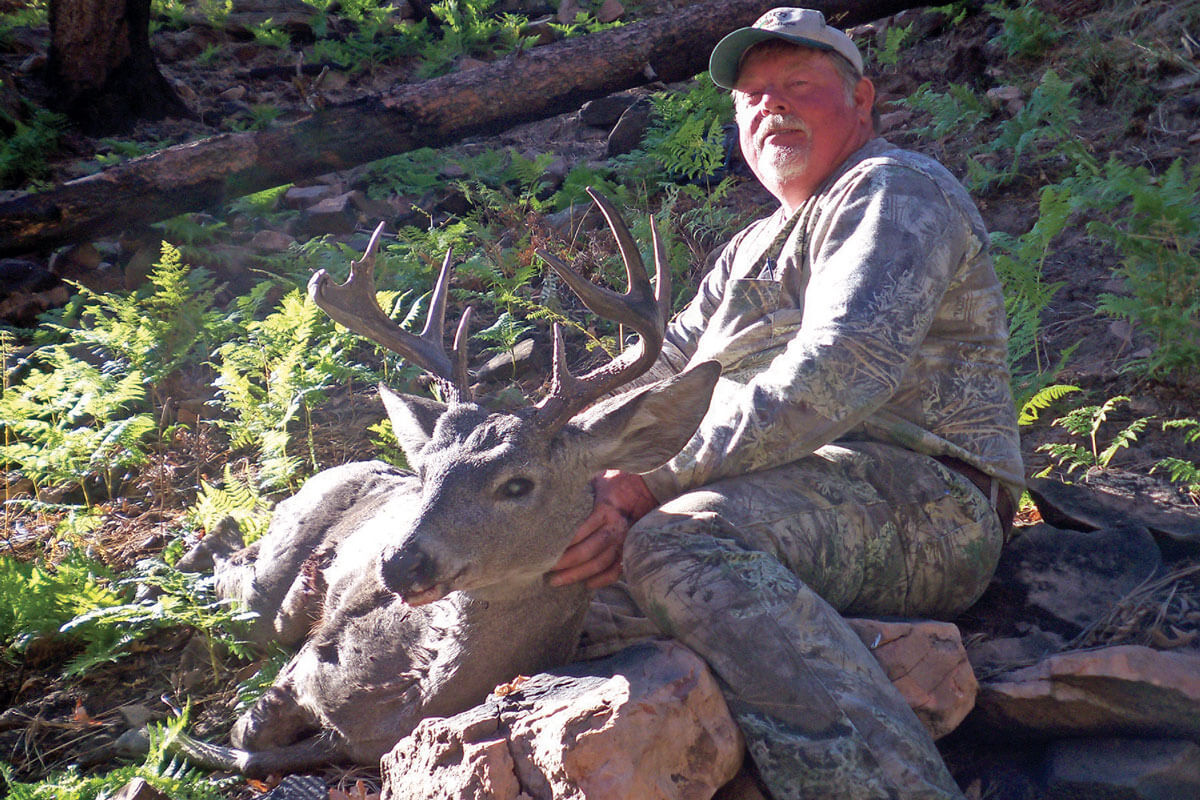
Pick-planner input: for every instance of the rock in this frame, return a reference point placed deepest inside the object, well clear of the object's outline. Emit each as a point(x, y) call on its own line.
point(269, 241)
point(75, 259)
point(1138, 769)
point(990, 656)
point(603, 112)
point(22, 309)
point(1099, 505)
point(1050, 586)
point(646, 723)
point(1010, 98)
point(610, 11)
point(1124, 690)
point(542, 31)
point(1072, 579)
point(567, 11)
point(371, 208)
point(331, 215)
point(507, 365)
point(926, 661)
point(136, 715)
point(305, 196)
point(23, 275)
point(302, 787)
point(627, 134)
point(742, 787)
point(139, 789)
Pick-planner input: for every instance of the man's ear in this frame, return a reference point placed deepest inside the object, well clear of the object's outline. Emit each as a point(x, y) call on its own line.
point(644, 428)
point(864, 98)
point(413, 419)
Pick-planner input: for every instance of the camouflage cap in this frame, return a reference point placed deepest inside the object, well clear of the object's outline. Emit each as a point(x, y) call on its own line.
point(802, 26)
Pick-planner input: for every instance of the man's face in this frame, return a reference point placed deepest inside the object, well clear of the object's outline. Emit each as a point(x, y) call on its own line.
point(795, 121)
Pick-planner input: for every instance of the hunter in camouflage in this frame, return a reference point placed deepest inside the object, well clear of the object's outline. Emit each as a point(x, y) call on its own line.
point(860, 454)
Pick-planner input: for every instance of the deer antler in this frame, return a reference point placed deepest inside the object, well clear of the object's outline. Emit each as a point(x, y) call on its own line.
point(641, 308)
point(354, 305)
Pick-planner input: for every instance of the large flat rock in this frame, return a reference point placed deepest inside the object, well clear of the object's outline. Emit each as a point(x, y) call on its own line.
point(1126, 690)
point(926, 661)
point(649, 723)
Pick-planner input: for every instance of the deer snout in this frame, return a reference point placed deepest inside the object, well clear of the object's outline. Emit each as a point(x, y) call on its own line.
point(411, 573)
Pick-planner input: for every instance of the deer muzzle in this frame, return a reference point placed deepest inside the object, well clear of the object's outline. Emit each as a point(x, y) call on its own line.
point(412, 573)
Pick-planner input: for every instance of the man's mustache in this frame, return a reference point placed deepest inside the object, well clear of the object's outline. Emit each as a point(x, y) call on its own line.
point(781, 122)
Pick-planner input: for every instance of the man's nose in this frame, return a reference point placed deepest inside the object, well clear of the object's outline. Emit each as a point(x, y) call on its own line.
point(772, 102)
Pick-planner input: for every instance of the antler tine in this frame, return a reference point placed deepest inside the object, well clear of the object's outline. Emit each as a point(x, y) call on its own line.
point(353, 304)
point(643, 308)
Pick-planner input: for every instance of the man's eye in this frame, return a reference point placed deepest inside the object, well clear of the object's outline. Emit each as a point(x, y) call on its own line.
point(515, 487)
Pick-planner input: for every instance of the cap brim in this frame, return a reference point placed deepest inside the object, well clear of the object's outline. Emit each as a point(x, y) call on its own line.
point(727, 55)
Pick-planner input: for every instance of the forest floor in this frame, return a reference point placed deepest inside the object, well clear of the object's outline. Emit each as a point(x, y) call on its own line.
point(1136, 91)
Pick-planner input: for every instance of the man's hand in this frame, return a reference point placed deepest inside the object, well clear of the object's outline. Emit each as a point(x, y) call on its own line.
point(594, 555)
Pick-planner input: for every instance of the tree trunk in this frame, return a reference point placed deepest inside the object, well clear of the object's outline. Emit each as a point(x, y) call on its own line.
point(529, 85)
point(101, 67)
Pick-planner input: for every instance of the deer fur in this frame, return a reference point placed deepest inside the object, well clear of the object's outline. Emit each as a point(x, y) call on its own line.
point(413, 594)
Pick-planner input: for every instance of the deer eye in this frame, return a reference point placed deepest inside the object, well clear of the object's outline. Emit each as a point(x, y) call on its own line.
point(515, 487)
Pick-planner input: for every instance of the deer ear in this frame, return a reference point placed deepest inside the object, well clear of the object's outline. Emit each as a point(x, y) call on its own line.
point(412, 419)
point(641, 430)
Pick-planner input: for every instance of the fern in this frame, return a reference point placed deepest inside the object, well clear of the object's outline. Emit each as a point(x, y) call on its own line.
point(1180, 471)
point(36, 599)
point(1040, 132)
point(178, 600)
point(70, 422)
point(155, 329)
point(1026, 30)
point(1154, 224)
point(1019, 263)
point(1042, 400)
point(169, 775)
point(236, 497)
point(686, 137)
point(958, 110)
point(1086, 421)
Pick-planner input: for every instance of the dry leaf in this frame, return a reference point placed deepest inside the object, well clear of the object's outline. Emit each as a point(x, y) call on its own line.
point(505, 689)
point(266, 785)
point(82, 717)
point(359, 792)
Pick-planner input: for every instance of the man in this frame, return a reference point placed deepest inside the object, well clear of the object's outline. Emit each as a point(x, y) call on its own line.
point(860, 454)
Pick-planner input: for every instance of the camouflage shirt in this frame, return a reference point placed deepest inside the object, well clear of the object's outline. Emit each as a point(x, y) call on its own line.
point(872, 312)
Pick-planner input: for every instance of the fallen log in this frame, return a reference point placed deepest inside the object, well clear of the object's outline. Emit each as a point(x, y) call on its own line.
point(529, 85)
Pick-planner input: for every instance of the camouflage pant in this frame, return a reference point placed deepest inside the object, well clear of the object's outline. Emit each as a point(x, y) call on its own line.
point(752, 573)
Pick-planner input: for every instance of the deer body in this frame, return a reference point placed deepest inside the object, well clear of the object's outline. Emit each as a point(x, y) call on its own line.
point(427, 590)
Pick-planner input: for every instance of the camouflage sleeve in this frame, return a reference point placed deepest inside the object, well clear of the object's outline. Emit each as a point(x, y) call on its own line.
point(881, 247)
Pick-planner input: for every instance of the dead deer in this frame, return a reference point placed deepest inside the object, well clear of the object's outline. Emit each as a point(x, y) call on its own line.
point(427, 589)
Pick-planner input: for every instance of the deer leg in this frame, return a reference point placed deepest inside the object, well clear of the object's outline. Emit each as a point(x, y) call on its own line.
point(276, 720)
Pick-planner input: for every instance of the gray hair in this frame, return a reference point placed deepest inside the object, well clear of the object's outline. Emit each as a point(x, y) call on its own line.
point(846, 71)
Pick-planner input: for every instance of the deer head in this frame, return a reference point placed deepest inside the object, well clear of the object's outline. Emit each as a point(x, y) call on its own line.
point(502, 493)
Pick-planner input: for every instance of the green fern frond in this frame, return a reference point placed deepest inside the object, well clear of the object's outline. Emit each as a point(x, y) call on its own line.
point(1042, 400)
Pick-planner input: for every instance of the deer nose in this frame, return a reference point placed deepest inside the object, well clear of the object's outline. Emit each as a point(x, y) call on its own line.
point(407, 571)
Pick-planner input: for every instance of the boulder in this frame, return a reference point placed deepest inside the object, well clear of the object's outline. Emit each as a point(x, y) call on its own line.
point(926, 661)
point(649, 722)
point(627, 134)
point(331, 215)
point(1127, 690)
point(139, 789)
point(1116, 769)
point(603, 112)
point(1071, 579)
point(1119, 496)
point(1052, 585)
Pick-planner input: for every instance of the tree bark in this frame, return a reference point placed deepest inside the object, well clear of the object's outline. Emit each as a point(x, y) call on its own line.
point(101, 67)
point(529, 85)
